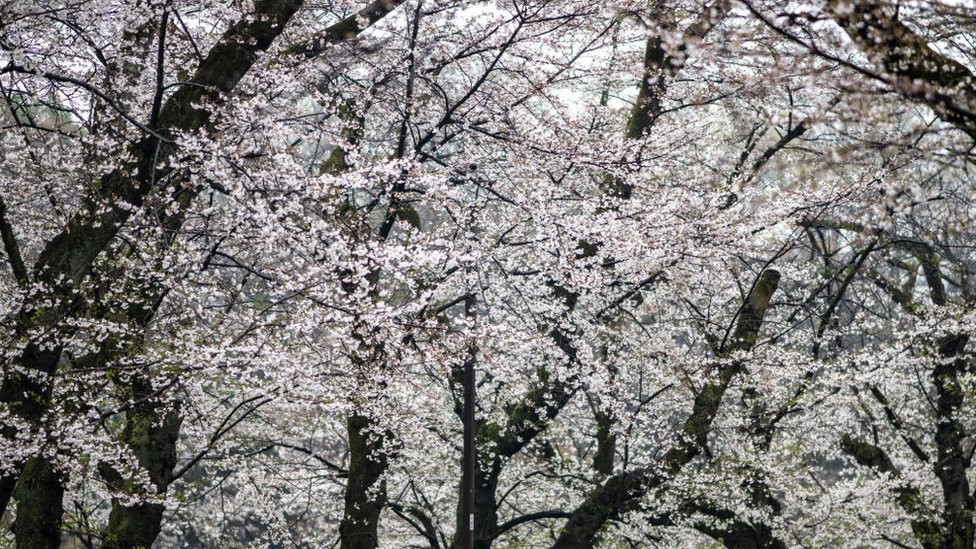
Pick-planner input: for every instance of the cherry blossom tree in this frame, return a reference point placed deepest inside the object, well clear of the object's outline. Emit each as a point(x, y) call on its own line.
point(709, 261)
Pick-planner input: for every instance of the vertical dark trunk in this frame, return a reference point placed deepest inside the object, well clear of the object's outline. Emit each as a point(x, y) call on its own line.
point(151, 432)
point(477, 512)
point(483, 508)
point(468, 459)
point(67, 258)
point(953, 461)
point(7, 483)
point(27, 397)
point(39, 489)
point(133, 526)
point(606, 440)
point(365, 492)
point(39, 494)
point(606, 443)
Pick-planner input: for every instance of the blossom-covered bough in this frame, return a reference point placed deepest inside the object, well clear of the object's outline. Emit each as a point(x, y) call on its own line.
point(53, 293)
point(711, 262)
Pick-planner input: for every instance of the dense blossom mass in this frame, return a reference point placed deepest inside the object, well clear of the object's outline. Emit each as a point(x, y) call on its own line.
point(711, 262)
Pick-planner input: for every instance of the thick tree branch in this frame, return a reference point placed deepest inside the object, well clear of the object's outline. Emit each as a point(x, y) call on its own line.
point(12, 248)
point(347, 28)
point(909, 498)
point(919, 72)
point(621, 491)
point(529, 517)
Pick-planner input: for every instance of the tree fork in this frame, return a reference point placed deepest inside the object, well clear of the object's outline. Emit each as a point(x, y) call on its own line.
point(621, 492)
point(68, 258)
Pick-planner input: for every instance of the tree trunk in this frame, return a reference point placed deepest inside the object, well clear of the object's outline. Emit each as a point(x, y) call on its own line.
point(365, 492)
point(39, 494)
point(485, 509)
point(27, 398)
point(606, 443)
point(133, 526)
point(67, 258)
point(953, 461)
point(621, 492)
point(7, 483)
point(743, 535)
point(39, 490)
point(151, 432)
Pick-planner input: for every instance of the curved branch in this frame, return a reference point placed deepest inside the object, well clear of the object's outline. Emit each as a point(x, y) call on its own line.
point(530, 517)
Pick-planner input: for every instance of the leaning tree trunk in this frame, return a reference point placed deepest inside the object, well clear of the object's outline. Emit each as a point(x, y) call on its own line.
point(621, 492)
point(67, 259)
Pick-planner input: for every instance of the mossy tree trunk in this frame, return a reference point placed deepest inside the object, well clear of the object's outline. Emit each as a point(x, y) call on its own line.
point(39, 495)
point(151, 432)
point(67, 259)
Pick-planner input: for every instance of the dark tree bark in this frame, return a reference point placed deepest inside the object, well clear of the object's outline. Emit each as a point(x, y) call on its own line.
point(533, 414)
point(622, 491)
point(496, 444)
point(659, 68)
point(469, 453)
point(956, 529)
point(365, 489)
point(38, 488)
point(952, 460)
point(39, 495)
point(606, 443)
point(743, 535)
point(151, 432)
point(729, 530)
point(909, 498)
point(914, 69)
point(68, 258)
